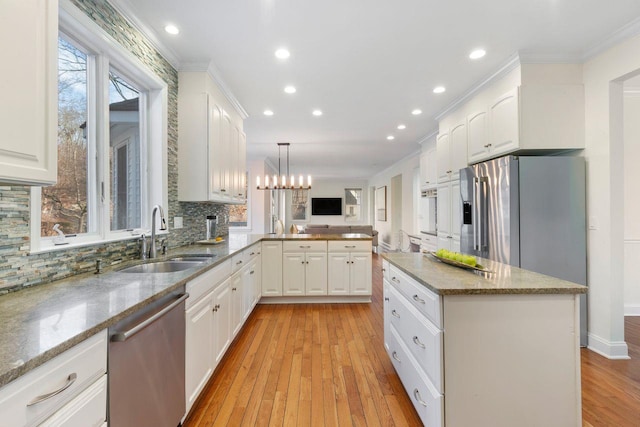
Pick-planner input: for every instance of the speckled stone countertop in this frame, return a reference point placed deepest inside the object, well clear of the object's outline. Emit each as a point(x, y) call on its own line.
point(446, 279)
point(38, 323)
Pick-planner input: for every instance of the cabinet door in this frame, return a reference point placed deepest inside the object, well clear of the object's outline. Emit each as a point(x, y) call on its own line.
point(478, 138)
point(504, 126)
point(234, 158)
point(316, 274)
point(458, 150)
point(444, 209)
point(199, 356)
point(237, 312)
point(444, 241)
point(456, 210)
point(272, 269)
point(257, 280)
point(386, 313)
point(293, 272)
point(247, 289)
point(87, 409)
point(424, 180)
point(443, 147)
point(360, 273)
point(432, 168)
point(338, 277)
point(241, 167)
point(225, 154)
point(221, 320)
point(216, 158)
point(28, 83)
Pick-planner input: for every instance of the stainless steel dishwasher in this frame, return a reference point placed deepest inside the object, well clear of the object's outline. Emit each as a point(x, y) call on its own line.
point(146, 365)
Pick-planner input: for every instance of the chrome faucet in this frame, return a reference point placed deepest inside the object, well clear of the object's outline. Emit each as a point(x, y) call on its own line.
point(163, 226)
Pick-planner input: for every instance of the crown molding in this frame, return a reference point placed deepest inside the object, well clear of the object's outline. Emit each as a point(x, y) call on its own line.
point(427, 137)
point(632, 29)
point(550, 58)
point(511, 64)
point(124, 9)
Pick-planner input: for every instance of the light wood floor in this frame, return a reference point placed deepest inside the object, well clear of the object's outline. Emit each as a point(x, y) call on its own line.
point(325, 365)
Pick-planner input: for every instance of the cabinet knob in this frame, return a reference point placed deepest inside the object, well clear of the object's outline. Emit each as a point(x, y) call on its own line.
point(252, 272)
point(223, 190)
point(234, 289)
point(386, 298)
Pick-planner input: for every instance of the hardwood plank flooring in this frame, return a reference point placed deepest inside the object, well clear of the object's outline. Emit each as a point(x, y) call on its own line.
point(325, 365)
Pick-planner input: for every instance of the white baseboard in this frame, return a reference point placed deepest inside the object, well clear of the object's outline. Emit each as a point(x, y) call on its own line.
point(346, 299)
point(608, 349)
point(632, 310)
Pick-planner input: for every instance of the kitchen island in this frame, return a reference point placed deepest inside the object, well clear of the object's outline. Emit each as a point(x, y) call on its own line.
point(486, 349)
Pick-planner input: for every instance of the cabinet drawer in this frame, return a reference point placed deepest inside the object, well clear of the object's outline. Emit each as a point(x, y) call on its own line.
point(86, 362)
point(251, 252)
point(350, 246)
point(237, 261)
point(419, 335)
point(428, 402)
point(305, 246)
point(206, 282)
point(89, 409)
point(427, 302)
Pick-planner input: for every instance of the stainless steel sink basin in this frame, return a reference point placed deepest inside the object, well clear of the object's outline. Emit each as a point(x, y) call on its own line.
point(192, 258)
point(163, 266)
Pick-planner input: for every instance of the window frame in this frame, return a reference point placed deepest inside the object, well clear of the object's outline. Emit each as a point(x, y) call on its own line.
point(105, 53)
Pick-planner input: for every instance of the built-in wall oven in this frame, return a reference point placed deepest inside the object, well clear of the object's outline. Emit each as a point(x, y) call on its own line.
point(147, 365)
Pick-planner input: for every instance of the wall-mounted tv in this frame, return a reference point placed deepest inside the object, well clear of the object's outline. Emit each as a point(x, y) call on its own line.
point(326, 206)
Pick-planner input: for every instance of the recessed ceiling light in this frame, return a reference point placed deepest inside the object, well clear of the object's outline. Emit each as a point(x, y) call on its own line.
point(317, 112)
point(439, 89)
point(172, 29)
point(290, 89)
point(282, 53)
point(477, 54)
point(268, 113)
point(391, 137)
point(416, 112)
point(401, 127)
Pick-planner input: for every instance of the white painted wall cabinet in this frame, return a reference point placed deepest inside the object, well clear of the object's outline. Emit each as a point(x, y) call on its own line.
point(28, 144)
point(449, 215)
point(428, 169)
point(206, 127)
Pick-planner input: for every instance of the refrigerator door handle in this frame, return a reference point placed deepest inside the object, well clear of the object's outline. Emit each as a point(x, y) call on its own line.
point(476, 216)
point(484, 215)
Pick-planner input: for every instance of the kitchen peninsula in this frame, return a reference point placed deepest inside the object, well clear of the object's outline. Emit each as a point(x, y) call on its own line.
point(499, 349)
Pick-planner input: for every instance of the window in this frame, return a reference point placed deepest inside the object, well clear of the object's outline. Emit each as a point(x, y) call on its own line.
point(112, 133)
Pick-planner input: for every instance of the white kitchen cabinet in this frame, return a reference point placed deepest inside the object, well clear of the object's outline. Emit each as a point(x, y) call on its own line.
point(23, 402)
point(199, 357)
point(271, 268)
point(349, 267)
point(451, 148)
point(449, 215)
point(237, 307)
point(212, 154)
point(221, 320)
point(249, 277)
point(428, 169)
point(304, 267)
point(29, 113)
point(528, 117)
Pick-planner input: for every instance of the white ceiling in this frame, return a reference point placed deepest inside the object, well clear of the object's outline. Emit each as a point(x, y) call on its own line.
point(365, 63)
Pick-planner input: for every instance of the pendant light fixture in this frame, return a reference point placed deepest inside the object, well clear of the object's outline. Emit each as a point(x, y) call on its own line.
point(283, 181)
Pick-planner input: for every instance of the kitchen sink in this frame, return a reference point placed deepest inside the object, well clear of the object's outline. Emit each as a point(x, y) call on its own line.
point(164, 266)
point(192, 258)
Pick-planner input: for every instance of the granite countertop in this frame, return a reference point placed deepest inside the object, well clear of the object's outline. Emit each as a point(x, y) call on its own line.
point(40, 322)
point(445, 279)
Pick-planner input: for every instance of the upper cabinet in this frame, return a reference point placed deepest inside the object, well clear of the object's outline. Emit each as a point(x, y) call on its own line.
point(428, 169)
point(451, 149)
point(207, 128)
point(29, 112)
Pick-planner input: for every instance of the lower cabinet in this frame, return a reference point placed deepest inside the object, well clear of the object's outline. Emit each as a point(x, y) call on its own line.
point(199, 338)
point(271, 268)
point(68, 390)
point(304, 274)
point(349, 269)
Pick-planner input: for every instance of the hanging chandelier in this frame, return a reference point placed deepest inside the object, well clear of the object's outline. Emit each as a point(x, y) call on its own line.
point(280, 181)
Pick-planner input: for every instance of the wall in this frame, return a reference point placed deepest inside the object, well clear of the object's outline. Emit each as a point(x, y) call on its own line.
point(631, 201)
point(406, 168)
point(330, 188)
point(605, 195)
point(17, 267)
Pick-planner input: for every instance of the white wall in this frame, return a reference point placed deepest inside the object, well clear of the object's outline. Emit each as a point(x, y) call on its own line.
point(331, 188)
point(406, 168)
point(631, 200)
point(604, 154)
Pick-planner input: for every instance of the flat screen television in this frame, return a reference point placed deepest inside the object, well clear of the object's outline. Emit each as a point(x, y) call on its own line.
point(326, 206)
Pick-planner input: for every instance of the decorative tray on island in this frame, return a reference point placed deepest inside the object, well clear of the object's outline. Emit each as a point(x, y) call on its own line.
point(477, 267)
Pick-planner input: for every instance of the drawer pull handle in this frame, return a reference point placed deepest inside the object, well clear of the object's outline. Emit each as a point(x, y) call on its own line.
point(305, 247)
point(395, 356)
point(384, 269)
point(70, 380)
point(349, 246)
point(416, 394)
point(418, 299)
point(252, 254)
point(395, 314)
point(395, 280)
point(386, 298)
point(418, 343)
point(234, 289)
point(239, 262)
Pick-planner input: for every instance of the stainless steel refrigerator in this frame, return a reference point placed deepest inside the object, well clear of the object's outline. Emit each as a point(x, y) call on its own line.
point(529, 212)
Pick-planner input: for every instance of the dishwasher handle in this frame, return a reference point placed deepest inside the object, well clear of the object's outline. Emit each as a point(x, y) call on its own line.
point(123, 336)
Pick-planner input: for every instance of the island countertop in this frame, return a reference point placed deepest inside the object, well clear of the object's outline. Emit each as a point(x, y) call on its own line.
point(40, 322)
point(445, 279)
